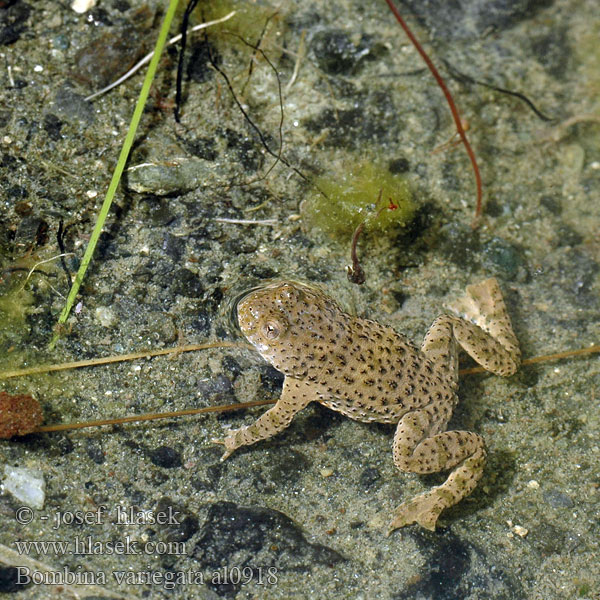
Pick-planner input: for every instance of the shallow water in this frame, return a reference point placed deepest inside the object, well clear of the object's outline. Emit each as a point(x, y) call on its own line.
point(314, 502)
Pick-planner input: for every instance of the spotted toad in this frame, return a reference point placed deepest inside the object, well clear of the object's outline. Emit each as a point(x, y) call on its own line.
point(369, 372)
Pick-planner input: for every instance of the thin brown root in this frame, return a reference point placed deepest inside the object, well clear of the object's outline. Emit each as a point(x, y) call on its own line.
point(540, 359)
point(453, 109)
point(151, 416)
point(242, 405)
point(299, 57)
point(119, 358)
point(562, 129)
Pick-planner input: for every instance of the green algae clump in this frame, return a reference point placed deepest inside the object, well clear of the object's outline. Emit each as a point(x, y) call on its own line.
point(369, 193)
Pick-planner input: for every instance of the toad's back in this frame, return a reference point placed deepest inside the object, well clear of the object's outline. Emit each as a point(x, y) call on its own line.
point(371, 373)
point(355, 366)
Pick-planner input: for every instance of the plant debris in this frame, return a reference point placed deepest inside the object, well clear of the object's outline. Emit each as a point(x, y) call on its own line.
point(19, 415)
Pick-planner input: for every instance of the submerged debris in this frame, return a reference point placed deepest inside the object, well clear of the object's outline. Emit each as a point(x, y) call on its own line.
point(19, 415)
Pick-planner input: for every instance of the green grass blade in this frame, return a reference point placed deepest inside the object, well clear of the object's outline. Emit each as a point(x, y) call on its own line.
point(116, 178)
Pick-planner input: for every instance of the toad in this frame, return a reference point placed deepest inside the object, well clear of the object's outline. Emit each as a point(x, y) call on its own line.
point(369, 372)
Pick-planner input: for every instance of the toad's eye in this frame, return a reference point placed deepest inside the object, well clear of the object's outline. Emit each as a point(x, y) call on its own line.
point(271, 329)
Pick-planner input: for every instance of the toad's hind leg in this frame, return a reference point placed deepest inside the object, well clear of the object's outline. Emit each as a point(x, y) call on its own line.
point(415, 452)
point(483, 330)
point(420, 444)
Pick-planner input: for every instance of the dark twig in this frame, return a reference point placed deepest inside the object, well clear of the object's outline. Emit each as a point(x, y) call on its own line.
point(464, 78)
point(250, 122)
point(184, 25)
point(256, 47)
point(60, 239)
point(355, 272)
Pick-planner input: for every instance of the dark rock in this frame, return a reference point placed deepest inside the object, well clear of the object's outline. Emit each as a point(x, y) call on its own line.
point(552, 50)
point(334, 51)
point(161, 327)
point(256, 537)
point(398, 166)
point(337, 54)
point(200, 321)
point(259, 271)
point(247, 151)
point(8, 580)
point(271, 379)
point(366, 121)
point(237, 246)
point(52, 126)
point(213, 299)
point(186, 283)
point(216, 388)
point(198, 67)
point(174, 247)
point(369, 477)
point(213, 472)
point(95, 451)
point(165, 457)
point(493, 208)
point(121, 5)
point(60, 446)
point(575, 278)
point(400, 297)
point(183, 525)
point(552, 203)
point(468, 19)
point(99, 16)
point(231, 366)
point(460, 244)
point(17, 192)
point(457, 569)
point(108, 56)
point(548, 539)
point(13, 22)
point(567, 236)
point(501, 257)
point(202, 147)
point(286, 466)
point(159, 211)
point(31, 232)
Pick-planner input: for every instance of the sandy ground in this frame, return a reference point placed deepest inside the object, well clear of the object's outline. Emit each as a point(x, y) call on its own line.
point(304, 514)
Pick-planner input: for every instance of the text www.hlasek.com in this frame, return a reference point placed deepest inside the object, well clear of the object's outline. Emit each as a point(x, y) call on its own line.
point(88, 546)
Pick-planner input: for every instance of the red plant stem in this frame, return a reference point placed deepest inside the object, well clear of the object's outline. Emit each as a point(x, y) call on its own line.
point(449, 100)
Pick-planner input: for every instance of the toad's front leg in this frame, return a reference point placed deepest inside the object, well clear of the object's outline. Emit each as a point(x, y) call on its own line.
point(296, 394)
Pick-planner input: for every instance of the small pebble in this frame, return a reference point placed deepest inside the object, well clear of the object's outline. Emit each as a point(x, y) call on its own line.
point(26, 485)
point(165, 457)
point(326, 472)
point(517, 529)
point(175, 176)
point(82, 6)
point(520, 531)
point(105, 315)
